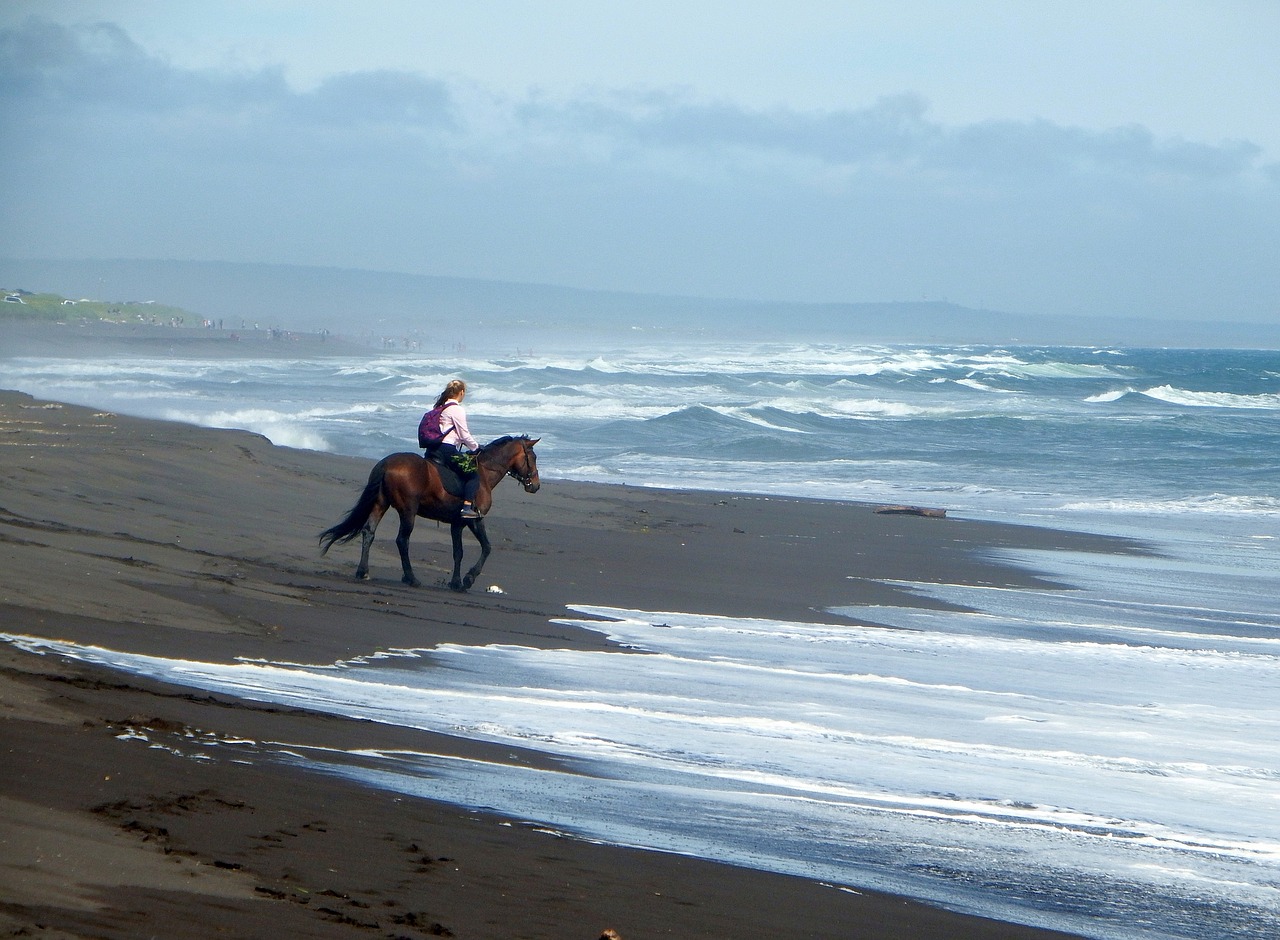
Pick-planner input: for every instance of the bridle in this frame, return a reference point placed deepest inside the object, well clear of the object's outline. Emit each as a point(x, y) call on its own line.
point(525, 477)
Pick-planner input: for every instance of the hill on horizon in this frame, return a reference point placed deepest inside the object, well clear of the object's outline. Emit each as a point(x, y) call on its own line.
point(368, 304)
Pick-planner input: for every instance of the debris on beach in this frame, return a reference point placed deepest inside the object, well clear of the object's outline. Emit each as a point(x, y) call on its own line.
point(912, 511)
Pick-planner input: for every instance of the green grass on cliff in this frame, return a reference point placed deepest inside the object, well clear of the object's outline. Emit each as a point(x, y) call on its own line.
point(52, 308)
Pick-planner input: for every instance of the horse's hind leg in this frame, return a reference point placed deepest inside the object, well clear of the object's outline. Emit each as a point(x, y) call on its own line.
point(402, 542)
point(366, 540)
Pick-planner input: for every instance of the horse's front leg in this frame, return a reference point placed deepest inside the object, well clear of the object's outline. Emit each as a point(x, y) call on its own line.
point(455, 534)
point(477, 528)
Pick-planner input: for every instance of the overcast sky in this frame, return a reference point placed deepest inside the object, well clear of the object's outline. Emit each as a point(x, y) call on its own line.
point(1086, 158)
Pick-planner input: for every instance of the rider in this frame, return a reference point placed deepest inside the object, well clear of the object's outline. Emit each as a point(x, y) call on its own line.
point(458, 448)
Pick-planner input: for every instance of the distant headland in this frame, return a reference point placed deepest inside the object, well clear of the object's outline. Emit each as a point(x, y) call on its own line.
point(48, 324)
point(390, 310)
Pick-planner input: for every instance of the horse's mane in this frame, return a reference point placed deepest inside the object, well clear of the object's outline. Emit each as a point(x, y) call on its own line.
point(505, 439)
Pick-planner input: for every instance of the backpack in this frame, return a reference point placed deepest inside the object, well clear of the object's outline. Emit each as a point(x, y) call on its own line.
point(429, 433)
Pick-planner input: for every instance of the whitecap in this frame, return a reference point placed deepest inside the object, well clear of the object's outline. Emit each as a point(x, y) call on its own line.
point(1192, 399)
point(1109, 396)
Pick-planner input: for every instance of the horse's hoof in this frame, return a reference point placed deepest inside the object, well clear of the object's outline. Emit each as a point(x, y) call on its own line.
point(362, 576)
point(412, 582)
point(456, 586)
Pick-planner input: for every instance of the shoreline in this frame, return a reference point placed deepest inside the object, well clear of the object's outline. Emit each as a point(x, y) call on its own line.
point(194, 543)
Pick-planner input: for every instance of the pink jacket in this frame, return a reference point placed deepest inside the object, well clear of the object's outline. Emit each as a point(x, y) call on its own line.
point(453, 421)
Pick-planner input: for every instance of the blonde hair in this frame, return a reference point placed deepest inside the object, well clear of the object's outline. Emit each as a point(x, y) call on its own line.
point(454, 389)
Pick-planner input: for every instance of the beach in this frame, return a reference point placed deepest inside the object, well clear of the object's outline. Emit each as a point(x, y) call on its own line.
point(121, 821)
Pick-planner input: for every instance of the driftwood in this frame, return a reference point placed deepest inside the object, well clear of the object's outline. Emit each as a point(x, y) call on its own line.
point(912, 511)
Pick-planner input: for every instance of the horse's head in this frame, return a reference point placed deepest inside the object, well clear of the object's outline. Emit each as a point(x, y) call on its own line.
point(514, 456)
point(525, 465)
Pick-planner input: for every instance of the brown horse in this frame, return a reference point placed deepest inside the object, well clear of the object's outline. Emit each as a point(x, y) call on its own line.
point(412, 485)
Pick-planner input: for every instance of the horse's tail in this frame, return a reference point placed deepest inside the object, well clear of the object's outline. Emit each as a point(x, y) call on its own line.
point(349, 527)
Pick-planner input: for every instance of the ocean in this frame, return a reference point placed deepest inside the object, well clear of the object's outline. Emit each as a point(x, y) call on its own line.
point(1104, 759)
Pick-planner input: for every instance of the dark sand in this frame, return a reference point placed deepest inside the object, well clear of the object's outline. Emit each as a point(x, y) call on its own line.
point(192, 543)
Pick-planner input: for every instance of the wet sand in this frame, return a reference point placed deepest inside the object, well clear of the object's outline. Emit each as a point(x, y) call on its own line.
point(117, 817)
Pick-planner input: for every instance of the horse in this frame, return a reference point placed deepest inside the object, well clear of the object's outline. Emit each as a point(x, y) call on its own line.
point(412, 485)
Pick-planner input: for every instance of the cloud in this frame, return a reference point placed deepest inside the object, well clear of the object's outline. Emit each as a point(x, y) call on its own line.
point(390, 98)
point(99, 70)
point(895, 134)
point(98, 73)
point(70, 72)
point(113, 151)
point(892, 129)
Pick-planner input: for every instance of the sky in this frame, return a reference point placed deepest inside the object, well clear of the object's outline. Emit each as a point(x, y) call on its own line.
point(1092, 158)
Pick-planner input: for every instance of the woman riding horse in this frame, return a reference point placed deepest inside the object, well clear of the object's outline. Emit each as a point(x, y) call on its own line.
point(457, 447)
point(412, 486)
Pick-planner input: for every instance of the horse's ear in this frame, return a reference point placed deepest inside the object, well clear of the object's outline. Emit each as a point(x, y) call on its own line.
point(534, 441)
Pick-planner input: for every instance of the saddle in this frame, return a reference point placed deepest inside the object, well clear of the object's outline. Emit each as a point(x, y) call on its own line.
point(450, 479)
